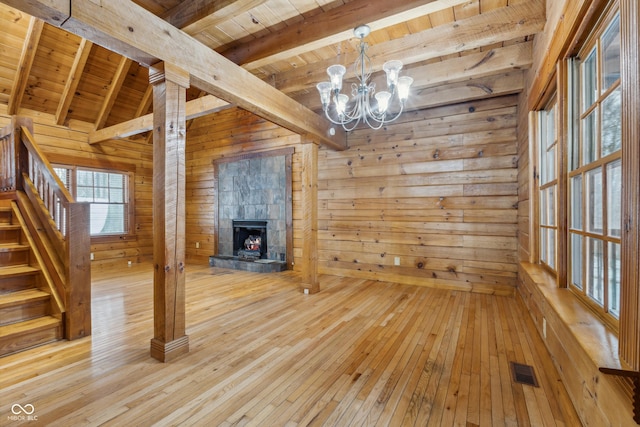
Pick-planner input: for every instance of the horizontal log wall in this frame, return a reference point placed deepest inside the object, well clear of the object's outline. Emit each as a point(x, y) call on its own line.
point(63, 145)
point(435, 193)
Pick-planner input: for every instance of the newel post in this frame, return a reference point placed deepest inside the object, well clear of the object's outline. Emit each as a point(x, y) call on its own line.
point(78, 272)
point(169, 177)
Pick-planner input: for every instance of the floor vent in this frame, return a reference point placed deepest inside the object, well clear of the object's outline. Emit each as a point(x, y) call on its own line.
point(523, 374)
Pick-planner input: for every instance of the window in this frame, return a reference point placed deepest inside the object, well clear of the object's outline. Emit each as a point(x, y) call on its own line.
point(107, 193)
point(595, 178)
point(548, 184)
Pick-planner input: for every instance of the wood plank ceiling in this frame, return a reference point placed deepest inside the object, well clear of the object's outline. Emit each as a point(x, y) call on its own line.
point(49, 72)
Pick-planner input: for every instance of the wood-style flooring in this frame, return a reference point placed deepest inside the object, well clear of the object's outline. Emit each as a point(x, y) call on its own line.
point(359, 353)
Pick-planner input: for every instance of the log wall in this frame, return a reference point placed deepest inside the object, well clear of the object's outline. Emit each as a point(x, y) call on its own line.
point(431, 200)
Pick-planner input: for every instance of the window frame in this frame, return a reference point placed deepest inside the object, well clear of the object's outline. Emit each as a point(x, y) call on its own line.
point(583, 169)
point(128, 197)
point(560, 91)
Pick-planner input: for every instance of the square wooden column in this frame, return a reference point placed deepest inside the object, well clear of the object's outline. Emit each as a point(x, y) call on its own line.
point(169, 136)
point(309, 202)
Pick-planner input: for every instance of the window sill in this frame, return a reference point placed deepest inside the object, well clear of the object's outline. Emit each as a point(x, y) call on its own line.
point(598, 342)
point(115, 238)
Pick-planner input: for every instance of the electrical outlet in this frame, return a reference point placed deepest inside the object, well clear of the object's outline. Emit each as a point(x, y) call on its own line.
point(396, 261)
point(91, 256)
point(306, 291)
point(197, 245)
point(129, 263)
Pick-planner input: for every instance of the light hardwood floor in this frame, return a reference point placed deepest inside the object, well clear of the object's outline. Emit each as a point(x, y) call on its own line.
point(264, 354)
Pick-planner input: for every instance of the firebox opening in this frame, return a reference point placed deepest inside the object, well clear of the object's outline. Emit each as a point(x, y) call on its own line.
point(250, 239)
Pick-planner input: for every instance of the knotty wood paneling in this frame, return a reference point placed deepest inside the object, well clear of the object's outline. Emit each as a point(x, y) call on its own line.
point(435, 193)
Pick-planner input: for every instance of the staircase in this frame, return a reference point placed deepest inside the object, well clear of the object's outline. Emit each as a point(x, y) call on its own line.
point(26, 308)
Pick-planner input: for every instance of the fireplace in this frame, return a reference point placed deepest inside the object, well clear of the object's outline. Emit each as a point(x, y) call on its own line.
point(250, 239)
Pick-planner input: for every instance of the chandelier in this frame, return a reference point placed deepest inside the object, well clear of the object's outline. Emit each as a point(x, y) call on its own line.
point(349, 113)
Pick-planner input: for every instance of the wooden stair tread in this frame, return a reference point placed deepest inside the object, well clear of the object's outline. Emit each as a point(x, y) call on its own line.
point(17, 270)
point(7, 226)
point(31, 325)
point(19, 297)
point(11, 247)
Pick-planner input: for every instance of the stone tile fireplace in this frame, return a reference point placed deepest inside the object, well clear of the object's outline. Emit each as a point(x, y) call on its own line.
point(253, 195)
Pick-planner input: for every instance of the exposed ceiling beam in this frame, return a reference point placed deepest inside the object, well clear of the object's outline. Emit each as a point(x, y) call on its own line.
point(196, 108)
point(128, 29)
point(145, 103)
point(192, 16)
point(459, 69)
point(334, 26)
point(112, 93)
point(80, 60)
point(507, 23)
point(26, 62)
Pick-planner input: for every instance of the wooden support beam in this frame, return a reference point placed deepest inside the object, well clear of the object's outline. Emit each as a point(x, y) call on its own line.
point(80, 60)
point(511, 22)
point(169, 178)
point(195, 108)
point(333, 26)
point(309, 202)
point(26, 62)
point(195, 15)
point(128, 29)
point(112, 93)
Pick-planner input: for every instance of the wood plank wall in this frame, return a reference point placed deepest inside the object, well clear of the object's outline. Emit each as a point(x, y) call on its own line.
point(435, 193)
point(64, 145)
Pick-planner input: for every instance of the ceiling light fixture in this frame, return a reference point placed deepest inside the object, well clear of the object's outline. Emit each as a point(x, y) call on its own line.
point(350, 114)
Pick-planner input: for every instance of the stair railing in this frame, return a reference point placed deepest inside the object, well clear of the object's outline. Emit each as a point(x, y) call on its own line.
point(59, 225)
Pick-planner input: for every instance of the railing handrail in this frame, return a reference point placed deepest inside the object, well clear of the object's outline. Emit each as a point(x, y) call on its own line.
point(49, 174)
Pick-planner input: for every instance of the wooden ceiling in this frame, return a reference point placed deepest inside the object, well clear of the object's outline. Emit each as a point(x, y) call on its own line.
point(454, 49)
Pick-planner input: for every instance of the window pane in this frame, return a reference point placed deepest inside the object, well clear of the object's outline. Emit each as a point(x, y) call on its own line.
point(614, 198)
point(543, 245)
point(551, 205)
point(85, 178)
point(614, 279)
point(85, 194)
point(543, 208)
point(116, 180)
point(594, 201)
point(576, 260)
point(116, 195)
point(63, 174)
point(551, 251)
point(576, 202)
point(611, 123)
point(589, 81)
point(611, 54)
point(107, 219)
point(589, 153)
point(595, 269)
point(550, 163)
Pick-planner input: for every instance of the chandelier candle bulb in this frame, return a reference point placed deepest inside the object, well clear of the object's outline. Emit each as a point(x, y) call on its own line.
point(349, 113)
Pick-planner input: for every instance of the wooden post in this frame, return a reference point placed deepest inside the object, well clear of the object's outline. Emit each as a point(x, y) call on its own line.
point(169, 135)
point(78, 272)
point(310, 217)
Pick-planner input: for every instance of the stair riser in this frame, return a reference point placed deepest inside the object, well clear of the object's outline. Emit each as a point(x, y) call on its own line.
point(14, 343)
point(15, 257)
point(25, 311)
point(19, 283)
point(9, 236)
